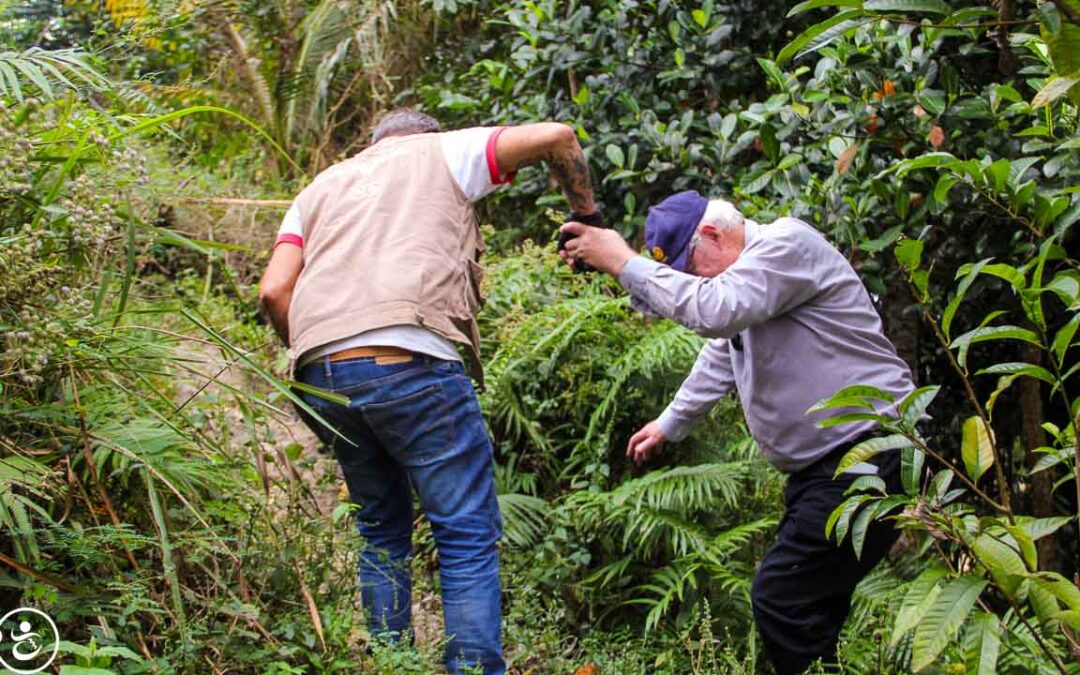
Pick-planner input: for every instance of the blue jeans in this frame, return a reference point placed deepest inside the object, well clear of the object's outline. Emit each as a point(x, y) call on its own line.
point(418, 425)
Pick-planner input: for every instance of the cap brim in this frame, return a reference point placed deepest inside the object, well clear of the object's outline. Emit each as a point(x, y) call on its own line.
point(679, 262)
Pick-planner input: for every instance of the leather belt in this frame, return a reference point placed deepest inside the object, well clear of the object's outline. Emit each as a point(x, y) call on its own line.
point(382, 355)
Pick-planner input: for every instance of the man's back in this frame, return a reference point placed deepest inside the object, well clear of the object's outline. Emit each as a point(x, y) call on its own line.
point(389, 239)
point(831, 340)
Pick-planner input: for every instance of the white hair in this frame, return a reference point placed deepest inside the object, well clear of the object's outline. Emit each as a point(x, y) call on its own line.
point(723, 214)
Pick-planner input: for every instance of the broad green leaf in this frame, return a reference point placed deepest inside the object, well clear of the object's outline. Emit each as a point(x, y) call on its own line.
point(857, 395)
point(1026, 545)
point(1045, 462)
point(977, 447)
point(1066, 287)
point(884, 241)
point(997, 174)
point(920, 279)
point(759, 183)
point(1070, 618)
point(789, 161)
point(1055, 88)
point(1037, 528)
point(773, 72)
point(961, 290)
point(701, 17)
point(1019, 368)
point(859, 529)
point(867, 483)
point(921, 594)
point(943, 619)
point(1061, 588)
point(939, 485)
point(840, 518)
point(982, 644)
point(850, 418)
point(615, 155)
point(1018, 168)
point(808, 5)
point(922, 6)
point(821, 34)
point(1008, 273)
point(932, 100)
point(1043, 602)
point(911, 467)
point(944, 184)
point(870, 448)
point(1064, 338)
point(930, 160)
point(908, 253)
point(915, 404)
point(987, 333)
point(1001, 561)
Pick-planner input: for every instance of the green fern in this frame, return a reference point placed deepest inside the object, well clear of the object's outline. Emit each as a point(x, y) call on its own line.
point(47, 73)
point(525, 519)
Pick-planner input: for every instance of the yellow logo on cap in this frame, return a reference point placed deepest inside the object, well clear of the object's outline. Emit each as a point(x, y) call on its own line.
point(658, 254)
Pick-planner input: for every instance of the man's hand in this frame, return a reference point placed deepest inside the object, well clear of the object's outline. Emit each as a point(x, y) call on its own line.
point(645, 442)
point(602, 248)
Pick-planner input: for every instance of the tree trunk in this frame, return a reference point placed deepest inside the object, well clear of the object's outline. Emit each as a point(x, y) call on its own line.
point(1040, 498)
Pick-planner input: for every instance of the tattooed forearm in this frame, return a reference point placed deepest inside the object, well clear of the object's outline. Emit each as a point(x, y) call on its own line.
point(570, 169)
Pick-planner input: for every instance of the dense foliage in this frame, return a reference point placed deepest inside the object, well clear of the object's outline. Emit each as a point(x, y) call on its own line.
point(160, 501)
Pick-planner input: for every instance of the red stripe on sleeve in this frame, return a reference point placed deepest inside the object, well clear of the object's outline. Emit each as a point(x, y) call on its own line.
point(493, 163)
point(294, 239)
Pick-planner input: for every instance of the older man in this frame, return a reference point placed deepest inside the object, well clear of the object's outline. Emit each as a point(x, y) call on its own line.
point(373, 280)
point(790, 324)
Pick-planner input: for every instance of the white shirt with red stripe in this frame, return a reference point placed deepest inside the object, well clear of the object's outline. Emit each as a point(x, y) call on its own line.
point(470, 156)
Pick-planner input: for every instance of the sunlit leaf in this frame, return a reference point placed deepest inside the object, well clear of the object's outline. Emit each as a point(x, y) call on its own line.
point(921, 594)
point(977, 447)
point(921, 6)
point(871, 448)
point(982, 644)
point(943, 619)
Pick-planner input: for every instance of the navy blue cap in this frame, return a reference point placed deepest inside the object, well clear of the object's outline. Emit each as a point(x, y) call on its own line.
point(671, 225)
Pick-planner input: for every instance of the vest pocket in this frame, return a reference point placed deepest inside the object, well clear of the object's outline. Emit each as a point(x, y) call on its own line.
point(475, 278)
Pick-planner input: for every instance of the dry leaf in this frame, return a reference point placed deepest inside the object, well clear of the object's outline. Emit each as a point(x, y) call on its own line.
point(937, 136)
point(313, 609)
point(843, 163)
point(588, 669)
point(919, 111)
point(888, 88)
point(873, 124)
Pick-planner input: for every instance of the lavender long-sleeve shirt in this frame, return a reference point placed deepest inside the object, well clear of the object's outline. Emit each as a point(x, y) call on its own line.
point(792, 324)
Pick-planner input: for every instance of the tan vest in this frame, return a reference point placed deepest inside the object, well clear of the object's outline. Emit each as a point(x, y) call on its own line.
point(389, 239)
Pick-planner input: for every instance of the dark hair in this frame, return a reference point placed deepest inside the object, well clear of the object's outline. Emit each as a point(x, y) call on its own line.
point(404, 122)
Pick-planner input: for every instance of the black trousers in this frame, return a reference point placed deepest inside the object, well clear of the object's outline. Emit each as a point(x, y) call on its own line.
point(802, 591)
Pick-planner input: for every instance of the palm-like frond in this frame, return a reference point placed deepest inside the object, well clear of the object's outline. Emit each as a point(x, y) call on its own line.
point(661, 349)
point(47, 72)
point(525, 519)
point(325, 38)
point(669, 585)
point(655, 509)
point(536, 346)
